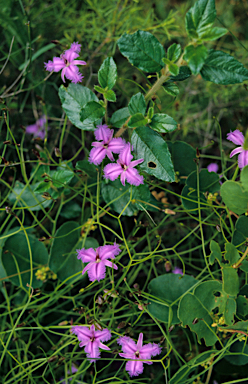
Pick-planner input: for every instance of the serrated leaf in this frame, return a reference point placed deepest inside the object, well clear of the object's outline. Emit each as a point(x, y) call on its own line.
point(195, 57)
point(150, 146)
point(120, 117)
point(171, 88)
point(143, 50)
point(234, 197)
point(107, 74)
point(200, 17)
point(110, 95)
point(91, 112)
point(173, 69)
point(222, 68)
point(184, 73)
point(137, 104)
point(163, 123)
point(137, 120)
point(73, 99)
point(215, 252)
point(174, 52)
point(213, 34)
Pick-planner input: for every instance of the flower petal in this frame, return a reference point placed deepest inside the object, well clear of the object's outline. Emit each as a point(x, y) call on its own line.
point(135, 162)
point(88, 266)
point(63, 74)
point(212, 167)
point(103, 335)
point(128, 345)
point(123, 178)
point(79, 62)
point(112, 171)
point(133, 177)
point(103, 133)
point(86, 255)
point(69, 55)
point(72, 73)
point(236, 137)
point(236, 151)
point(140, 342)
point(49, 66)
point(117, 144)
point(243, 159)
point(125, 155)
point(134, 368)
point(149, 350)
point(109, 154)
point(32, 128)
point(58, 64)
point(92, 350)
point(110, 264)
point(102, 346)
point(97, 155)
point(108, 251)
point(97, 271)
point(76, 47)
point(83, 333)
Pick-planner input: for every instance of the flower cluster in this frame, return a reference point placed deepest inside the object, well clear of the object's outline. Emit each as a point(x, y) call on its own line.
point(106, 145)
point(237, 137)
point(138, 353)
point(68, 63)
point(39, 128)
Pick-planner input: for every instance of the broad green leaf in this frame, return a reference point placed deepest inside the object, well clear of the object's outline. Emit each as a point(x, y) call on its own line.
point(26, 197)
point(137, 104)
point(73, 99)
point(163, 123)
point(244, 178)
point(200, 17)
point(16, 259)
point(91, 112)
point(234, 197)
point(143, 50)
point(208, 182)
point(173, 69)
point(241, 230)
point(184, 73)
point(190, 199)
point(174, 52)
point(239, 326)
point(230, 280)
point(231, 254)
point(215, 252)
point(182, 155)
point(137, 120)
point(60, 178)
point(121, 196)
point(213, 34)
point(222, 68)
point(107, 74)
point(195, 57)
point(71, 210)
point(88, 168)
point(171, 88)
point(120, 117)
point(42, 187)
point(150, 146)
point(110, 95)
point(167, 290)
point(242, 307)
point(238, 353)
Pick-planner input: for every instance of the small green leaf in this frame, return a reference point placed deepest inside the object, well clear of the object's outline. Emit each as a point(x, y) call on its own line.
point(143, 50)
point(200, 17)
point(107, 74)
point(173, 69)
point(110, 95)
point(221, 68)
point(213, 34)
point(71, 210)
point(244, 178)
point(234, 197)
point(183, 156)
point(184, 73)
point(92, 112)
point(120, 117)
point(174, 52)
point(195, 57)
point(215, 252)
point(99, 89)
point(150, 113)
point(231, 254)
point(150, 146)
point(60, 178)
point(137, 104)
point(171, 88)
point(241, 230)
point(166, 61)
point(230, 280)
point(42, 187)
point(137, 120)
point(163, 123)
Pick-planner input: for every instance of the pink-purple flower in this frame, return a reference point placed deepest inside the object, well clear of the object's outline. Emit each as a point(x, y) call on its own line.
point(106, 145)
point(39, 128)
point(177, 271)
point(68, 64)
point(97, 260)
point(213, 167)
point(92, 340)
point(124, 168)
point(237, 138)
point(137, 353)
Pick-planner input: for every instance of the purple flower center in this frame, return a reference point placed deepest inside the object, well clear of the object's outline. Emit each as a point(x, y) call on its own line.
point(97, 258)
point(92, 339)
point(137, 354)
point(123, 166)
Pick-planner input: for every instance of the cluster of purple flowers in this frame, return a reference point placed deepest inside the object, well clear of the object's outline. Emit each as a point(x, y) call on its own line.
point(106, 145)
point(138, 354)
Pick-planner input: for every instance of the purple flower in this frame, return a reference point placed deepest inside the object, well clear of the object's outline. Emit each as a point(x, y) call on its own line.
point(137, 353)
point(237, 138)
point(68, 64)
point(73, 370)
point(177, 271)
point(98, 260)
point(105, 145)
point(39, 128)
point(91, 340)
point(213, 167)
point(124, 168)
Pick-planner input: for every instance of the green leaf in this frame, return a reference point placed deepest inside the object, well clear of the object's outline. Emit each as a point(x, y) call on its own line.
point(163, 123)
point(120, 117)
point(208, 182)
point(88, 168)
point(200, 17)
point(71, 210)
point(230, 280)
point(99, 89)
point(174, 52)
point(215, 252)
point(137, 120)
point(166, 291)
point(173, 69)
point(184, 73)
point(73, 99)
point(143, 50)
point(238, 353)
point(231, 254)
point(107, 74)
point(234, 197)
point(195, 57)
point(150, 146)
point(241, 231)
point(182, 155)
point(213, 34)
point(120, 195)
point(60, 178)
point(137, 104)
point(190, 199)
point(244, 178)
point(221, 68)
point(242, 307)
point(171, 88)
point(110, 96)
point(25, 197)
point(16, 259)
point(91, 112)
point(42, 187)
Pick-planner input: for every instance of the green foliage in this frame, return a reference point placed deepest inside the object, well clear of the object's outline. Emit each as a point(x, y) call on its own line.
point(107, 74)
point(234, 197)
point(195, 57)
point(91, 112)
point(137, 104)
point(182, 155)
point(163, 123)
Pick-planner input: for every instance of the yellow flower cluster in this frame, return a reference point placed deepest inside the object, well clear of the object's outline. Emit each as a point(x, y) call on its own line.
point(87, 227)
point(44, 273)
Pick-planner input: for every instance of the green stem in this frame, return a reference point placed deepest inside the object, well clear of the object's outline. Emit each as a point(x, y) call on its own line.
point(156, 86)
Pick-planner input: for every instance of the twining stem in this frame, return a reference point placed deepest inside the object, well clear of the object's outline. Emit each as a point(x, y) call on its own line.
point(156, 86)
point(242, 258)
